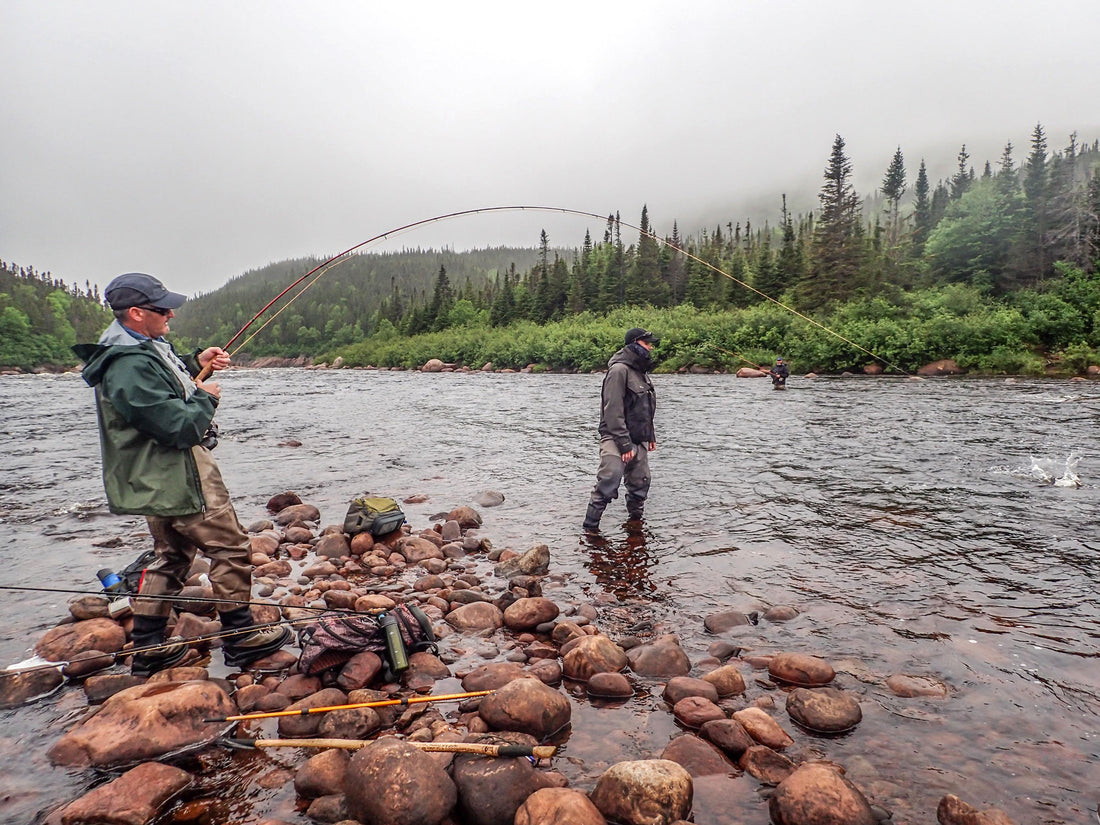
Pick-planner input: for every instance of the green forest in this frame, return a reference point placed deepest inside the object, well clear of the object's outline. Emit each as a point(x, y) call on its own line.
point(996, 267)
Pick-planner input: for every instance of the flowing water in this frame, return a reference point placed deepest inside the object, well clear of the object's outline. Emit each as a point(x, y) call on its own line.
point(945, 528)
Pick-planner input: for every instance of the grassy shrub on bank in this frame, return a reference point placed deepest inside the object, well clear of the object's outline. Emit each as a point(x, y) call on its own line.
point(957, 322)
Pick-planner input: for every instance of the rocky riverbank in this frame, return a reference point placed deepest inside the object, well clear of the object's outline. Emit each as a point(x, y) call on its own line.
point(735, 711)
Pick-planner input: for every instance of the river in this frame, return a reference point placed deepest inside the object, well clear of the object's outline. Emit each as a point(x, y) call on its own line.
point(916, 525)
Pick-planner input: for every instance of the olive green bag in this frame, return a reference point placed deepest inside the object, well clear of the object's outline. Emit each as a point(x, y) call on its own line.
point(375, 515)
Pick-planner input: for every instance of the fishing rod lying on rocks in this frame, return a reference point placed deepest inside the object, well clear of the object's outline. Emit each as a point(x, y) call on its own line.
point(184, 599)
point(104, 659)
point(533, 752)
point(377, 703)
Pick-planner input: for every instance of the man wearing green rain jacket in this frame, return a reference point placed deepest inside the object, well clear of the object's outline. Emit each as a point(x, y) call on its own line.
point(154, 419)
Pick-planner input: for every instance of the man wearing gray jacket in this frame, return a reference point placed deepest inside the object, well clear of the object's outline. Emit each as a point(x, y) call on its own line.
point(627, 404)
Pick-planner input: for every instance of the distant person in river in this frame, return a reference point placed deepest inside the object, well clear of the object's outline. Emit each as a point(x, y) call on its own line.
point(156, 432)
point(779, 374)
point(627, 404)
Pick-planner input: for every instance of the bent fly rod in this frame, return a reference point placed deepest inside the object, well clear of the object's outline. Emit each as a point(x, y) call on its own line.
point(327, 264)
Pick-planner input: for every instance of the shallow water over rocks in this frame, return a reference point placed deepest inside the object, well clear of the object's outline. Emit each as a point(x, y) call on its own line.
point(917, 526)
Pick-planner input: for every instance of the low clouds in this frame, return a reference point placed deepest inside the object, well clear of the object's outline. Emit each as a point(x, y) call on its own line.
point(197, 140)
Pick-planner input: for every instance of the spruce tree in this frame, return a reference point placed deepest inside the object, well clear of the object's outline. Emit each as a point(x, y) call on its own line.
point(922, 210)
point(893, 187)
point(835, 270)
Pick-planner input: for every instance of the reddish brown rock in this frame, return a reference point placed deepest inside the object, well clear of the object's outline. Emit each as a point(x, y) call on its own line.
point(475, 617)
point(63, 642)
point(390, 782)
point(493, 676)
point(780, 613)
point(558, 806)
point(144, 722)
point(466, 517)
point(909, 686)
point(816, 793)
point(681, 687)
point(134, 798)
point(265, 544)
point(953, 811)
point(695, 711)
point(359, 671)
point(280, 502)
point(322, 774)
point(361, 544)
point(19, 688)
point(644, 792)
point(307, 725)
point(824, 710)
point(372, 602)
point(525, 614)
point(697, 757)
point(609, 686)
point(769, 767)
point(761, 727)
point(727, 734)
point(946, 366)
point(332, 546)
point(527, 706)
point(727, 680)
point(491, 791)
point(298, 512)
point(89, 607)
point(801, 669)
point(349, 723)
point(725, 620)
point(662, 658)
point(590, 655)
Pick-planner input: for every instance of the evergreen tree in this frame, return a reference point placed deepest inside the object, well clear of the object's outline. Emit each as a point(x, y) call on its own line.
point(789, 266)
point(893, 187)
point(442, 300)
point(922, 210)
point(1035, 184)
point(963, 176)
point(644, 284)
point(834, 271)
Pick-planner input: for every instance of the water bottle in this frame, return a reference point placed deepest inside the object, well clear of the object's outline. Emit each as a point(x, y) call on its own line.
point(395, 645)
point(111, 581)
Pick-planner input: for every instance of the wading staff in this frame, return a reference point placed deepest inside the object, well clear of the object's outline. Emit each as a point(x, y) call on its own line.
point(380, 703)
point(320, 269)
point(482, 748)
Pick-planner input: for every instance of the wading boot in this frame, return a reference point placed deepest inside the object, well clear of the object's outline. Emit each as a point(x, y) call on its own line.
point(592, 516)
point(635, 508)
point(249, 643)
point(149, 631)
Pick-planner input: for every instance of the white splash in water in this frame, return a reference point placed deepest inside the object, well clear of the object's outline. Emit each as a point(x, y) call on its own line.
point(1060, 475)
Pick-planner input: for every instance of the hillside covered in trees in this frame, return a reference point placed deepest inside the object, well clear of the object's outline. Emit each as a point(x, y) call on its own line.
point(995, 267)
point(42, 316)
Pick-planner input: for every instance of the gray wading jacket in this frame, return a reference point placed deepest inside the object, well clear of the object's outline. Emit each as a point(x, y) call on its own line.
point(628, 401)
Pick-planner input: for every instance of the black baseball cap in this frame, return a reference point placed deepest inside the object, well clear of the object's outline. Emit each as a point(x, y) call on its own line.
point(639, 334)
point(135, 289)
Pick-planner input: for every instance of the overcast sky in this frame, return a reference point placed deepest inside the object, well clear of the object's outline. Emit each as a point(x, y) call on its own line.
point(197, 140)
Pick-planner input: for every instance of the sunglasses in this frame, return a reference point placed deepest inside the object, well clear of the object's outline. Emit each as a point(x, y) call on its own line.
point(157, 310)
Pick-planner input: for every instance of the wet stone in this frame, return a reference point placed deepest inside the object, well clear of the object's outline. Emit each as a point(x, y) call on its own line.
point(909, 686)
point(695, 711)
point(725, 620)
point(824, 710)
point(801, 669)
point(766, 765)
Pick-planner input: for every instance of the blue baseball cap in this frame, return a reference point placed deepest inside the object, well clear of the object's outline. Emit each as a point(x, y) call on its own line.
point(135, 289)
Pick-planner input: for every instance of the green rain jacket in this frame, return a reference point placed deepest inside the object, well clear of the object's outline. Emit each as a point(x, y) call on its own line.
point(149, 422)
